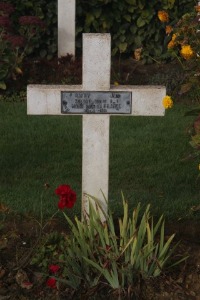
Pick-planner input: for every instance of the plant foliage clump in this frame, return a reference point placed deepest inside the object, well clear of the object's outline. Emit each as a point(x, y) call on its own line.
point(118, 257)
point(16, 42)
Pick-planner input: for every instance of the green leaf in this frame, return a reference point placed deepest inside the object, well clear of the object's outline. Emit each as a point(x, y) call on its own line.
point(89, 19)
point(140, 22)
point(2, 85)
point(166, 246)
point(29, 4)
point(131, 2)
point(114, 51)
point(122, 38)
point(43, 53)
point(127, 18)
point(157, 225)
point(49, 56)
point(122, 47)
point(131, 9)
point(141, 5)
point(94, 264)
point(97, 12)
point(133, 29)
point(79, 29)
point(169, 4)
point(105, 25)
point(162, 236)
point(138, 41)
point(179, 261)
point(95, 23)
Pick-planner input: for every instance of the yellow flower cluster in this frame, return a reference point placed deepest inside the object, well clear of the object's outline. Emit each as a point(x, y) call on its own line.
point(163, 16)
point(174, 36)
point(168, 29)
point(172, 43)
point(167, 102)
point(186, 52)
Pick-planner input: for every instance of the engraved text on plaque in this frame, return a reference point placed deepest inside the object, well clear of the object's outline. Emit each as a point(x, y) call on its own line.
point(96, 102)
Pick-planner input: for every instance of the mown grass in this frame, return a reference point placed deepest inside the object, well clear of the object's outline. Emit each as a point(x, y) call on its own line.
point(145, 161)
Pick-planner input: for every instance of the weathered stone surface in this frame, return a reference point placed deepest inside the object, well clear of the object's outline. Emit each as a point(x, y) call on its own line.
point(66, 27)
point(46, 100)
point(96, 61)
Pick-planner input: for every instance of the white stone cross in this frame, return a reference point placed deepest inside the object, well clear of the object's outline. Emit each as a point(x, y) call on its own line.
point(87, 100)
point(66, 27)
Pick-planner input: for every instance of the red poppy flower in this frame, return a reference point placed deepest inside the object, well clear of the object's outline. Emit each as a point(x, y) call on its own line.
point(51, 282)
point(63, 189)
point(67, 196)
point(71, 199)
point(54, 268)
point(61, 204)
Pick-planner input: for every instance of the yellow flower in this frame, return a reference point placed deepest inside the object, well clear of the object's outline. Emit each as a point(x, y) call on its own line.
point(186, 52)
point(171, 45)
point(199, 167)
point(137, 54)
point(163, 16)
point(197, 8)
point(116, 83)
point(167, 102)
point(168, 29)
point(174, 36)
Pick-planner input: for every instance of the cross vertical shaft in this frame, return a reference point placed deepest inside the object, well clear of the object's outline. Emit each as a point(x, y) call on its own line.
point(66, 27)
point(95, 162)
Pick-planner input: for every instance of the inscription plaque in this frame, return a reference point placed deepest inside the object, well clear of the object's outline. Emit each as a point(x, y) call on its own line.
point(96, 102)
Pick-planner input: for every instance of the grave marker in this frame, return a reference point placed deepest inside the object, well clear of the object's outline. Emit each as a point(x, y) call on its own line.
point(66, 27)
point(96, 101)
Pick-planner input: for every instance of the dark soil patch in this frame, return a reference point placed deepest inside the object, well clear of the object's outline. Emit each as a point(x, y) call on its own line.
point(20, 280)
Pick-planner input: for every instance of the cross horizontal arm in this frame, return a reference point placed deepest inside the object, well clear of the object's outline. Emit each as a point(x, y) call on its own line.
point(46, 99)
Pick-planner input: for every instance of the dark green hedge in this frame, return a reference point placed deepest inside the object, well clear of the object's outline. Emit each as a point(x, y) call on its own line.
point(132, 23)
point(47, 11)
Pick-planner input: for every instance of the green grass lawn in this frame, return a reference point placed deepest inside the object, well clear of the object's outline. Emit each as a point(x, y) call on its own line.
point(145, 161)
